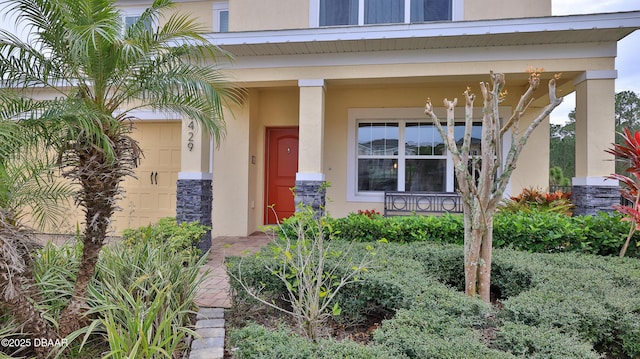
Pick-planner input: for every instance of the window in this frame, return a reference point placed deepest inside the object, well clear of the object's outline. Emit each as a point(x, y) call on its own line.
point(399, 150)
point(338, 12)
point(221, 16)
point(383, 11)
point(131, 16)
point(430, 10)
point(360, 12)
point(425, 160)
point(378, 154)
point(402, 155)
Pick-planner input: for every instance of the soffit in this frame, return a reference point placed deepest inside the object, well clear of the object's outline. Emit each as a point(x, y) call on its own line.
point(594, 28)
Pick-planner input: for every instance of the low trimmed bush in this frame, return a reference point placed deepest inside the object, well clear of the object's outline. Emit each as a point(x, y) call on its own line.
point(447, 228)
point(541, 343)
point(257, 342)
point(533, 231)
point(593, 298)
point(558, 305)
point(180, 237)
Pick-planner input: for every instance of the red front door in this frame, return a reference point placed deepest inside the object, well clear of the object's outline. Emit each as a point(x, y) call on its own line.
point(282, 165)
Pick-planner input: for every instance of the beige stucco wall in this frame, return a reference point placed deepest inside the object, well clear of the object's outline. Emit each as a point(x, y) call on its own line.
point(251, 15)
point(532, 168)
point(200, 11)
point(499, 9)
point(231, 175)
point(532, 171)
point(238, 183)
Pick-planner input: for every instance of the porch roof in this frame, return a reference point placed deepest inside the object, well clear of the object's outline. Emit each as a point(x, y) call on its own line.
point(591, 28)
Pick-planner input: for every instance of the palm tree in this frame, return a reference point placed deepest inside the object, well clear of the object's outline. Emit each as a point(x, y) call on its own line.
point(99, 71)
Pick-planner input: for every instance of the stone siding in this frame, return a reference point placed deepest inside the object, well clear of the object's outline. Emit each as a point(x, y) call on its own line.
point(589, 200)
point(194, 203)
point(311, 193)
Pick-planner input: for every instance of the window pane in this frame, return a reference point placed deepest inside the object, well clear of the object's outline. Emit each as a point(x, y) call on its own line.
point(130, 20)
point(378, 174)
point(423, 139)
point(425, 175)
point(476, 137)
point(378, 139)
point(430, 10)
point(383, 11)
point(224, 21)
point(338, 12)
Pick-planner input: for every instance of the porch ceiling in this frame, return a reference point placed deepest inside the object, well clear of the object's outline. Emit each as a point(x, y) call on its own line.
point(595, 28)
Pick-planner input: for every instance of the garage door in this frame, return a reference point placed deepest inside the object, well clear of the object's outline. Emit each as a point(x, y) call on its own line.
point(152, 195)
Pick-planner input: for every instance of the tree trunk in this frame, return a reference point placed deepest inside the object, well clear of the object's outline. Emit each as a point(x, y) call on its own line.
point(484, 269)
point(72, 317)
point(25, 313)
point(100, 180)
point(478, 252)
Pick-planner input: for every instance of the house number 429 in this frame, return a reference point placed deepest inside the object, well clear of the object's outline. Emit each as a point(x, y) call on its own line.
point(190, 136)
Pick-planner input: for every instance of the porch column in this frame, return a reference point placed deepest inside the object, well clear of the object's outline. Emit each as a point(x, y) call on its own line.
point(310, 179)
point(595, 132)
point(194, 193)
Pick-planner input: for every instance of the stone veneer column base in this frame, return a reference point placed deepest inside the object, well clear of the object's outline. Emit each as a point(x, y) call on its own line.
point(591, 199)
point(194, 204)
point(311, 193)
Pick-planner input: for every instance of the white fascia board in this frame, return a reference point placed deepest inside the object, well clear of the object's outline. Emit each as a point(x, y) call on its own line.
point(436, 29)
point(514, 53)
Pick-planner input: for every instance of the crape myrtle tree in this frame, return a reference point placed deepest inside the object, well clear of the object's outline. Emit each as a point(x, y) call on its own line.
point(482, 187)
point(98, 71)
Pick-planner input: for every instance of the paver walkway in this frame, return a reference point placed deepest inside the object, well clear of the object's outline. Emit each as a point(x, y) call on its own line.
point(213, 293)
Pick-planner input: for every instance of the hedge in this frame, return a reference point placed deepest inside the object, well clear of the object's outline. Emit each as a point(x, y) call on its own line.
point(541, 232)
point(561, 305)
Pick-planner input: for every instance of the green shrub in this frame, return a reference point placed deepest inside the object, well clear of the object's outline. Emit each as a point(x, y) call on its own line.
point(384, 287)
point(312, 269)
point(433, 334)
point(143, 298)
point(541, 232)
point(182, 237)
point(531, 199)
point(257, 342)
point(572, 304)
point(447, 228)
point(532, 231)
point(589, 297)
point(541, 343)
point(55, 273)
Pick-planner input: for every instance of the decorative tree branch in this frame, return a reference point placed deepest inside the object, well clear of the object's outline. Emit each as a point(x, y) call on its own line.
point(480, 198)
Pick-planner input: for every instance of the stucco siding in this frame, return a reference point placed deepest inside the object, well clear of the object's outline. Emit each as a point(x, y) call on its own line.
point(505, 9)
point(252, 15)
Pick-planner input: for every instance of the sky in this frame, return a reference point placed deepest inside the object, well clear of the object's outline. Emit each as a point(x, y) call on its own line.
point(628, 48)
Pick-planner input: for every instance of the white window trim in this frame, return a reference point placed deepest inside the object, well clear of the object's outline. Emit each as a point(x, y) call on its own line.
point(457, 12)
point(219, 7)
point(399, 114)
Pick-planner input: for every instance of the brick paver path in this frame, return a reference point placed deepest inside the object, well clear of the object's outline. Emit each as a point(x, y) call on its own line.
point(214, 291)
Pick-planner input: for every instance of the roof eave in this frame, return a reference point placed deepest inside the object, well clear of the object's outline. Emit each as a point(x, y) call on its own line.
point(626, 21)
